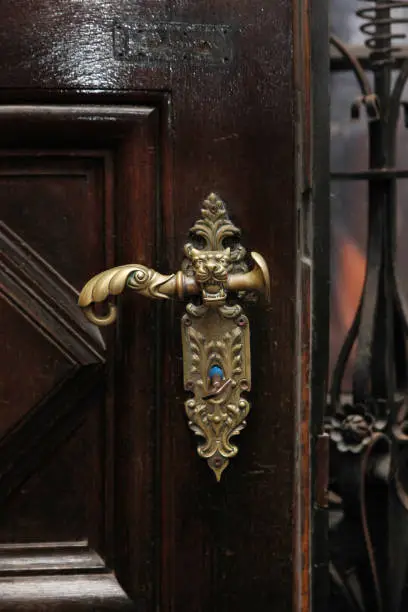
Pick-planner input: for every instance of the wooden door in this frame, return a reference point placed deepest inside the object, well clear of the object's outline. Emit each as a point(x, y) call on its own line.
point(117, 118)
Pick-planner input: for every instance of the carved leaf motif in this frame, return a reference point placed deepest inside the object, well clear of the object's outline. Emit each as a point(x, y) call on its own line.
point(213, 228)
point(218, 418)
point(217, 334)
point(197, 343)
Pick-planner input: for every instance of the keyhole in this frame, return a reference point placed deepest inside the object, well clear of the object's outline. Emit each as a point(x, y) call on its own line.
point(216, 376)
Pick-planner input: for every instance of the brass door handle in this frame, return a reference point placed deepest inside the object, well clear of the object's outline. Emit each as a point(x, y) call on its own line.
point(215, 332)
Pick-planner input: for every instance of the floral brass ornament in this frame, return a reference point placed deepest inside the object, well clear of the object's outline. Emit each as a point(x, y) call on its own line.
point(214, 277)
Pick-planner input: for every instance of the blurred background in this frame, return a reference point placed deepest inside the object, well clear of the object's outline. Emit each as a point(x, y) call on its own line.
point(349, 152)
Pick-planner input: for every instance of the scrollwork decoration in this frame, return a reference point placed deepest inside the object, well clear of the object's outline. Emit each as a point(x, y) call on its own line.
point(215, 334)
point(216, 351)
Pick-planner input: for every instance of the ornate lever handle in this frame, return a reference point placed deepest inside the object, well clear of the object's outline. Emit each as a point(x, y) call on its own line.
point(216, 350)
point(112, 282)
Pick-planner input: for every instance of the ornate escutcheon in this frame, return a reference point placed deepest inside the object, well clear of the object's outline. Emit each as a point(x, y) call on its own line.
point(214, 277)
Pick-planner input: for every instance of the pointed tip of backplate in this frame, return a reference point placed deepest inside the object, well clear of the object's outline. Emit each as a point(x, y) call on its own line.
point(218, 465)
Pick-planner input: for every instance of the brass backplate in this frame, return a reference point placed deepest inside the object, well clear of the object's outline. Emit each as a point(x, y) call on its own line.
point(214, 340)
point(215, 278)
point(216, 350)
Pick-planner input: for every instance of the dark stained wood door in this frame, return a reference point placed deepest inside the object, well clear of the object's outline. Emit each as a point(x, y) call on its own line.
point(117, 118)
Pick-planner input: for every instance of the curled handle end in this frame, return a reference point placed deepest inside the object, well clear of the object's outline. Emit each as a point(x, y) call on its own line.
point(262, 271)
point(114, 281)
point(100, 320)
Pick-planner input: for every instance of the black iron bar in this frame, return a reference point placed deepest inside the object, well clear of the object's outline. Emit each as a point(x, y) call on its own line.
point(374, 174)
point(372, 429)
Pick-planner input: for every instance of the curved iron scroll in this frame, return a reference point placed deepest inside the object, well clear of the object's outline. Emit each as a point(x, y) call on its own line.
point(368, 465)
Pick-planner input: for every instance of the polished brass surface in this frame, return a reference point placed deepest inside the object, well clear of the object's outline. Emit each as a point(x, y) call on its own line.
point(212, 337)
point(215, 332)
point(112, 282)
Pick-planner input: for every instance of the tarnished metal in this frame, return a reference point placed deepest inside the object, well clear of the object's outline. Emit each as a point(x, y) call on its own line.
point(215, 331)
point(172, 41)
point(216, 336)
point(377, 28)
point(368, 432)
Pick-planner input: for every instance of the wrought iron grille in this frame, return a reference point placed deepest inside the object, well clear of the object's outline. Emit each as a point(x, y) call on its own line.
point(368, 536)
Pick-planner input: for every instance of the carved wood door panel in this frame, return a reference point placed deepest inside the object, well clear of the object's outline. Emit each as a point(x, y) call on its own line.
point(61, 176)
point(117, 119)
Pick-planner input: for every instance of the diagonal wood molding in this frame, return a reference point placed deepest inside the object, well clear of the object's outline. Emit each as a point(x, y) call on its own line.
point(46, 300)
point(49, 303)
point(45, 427)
